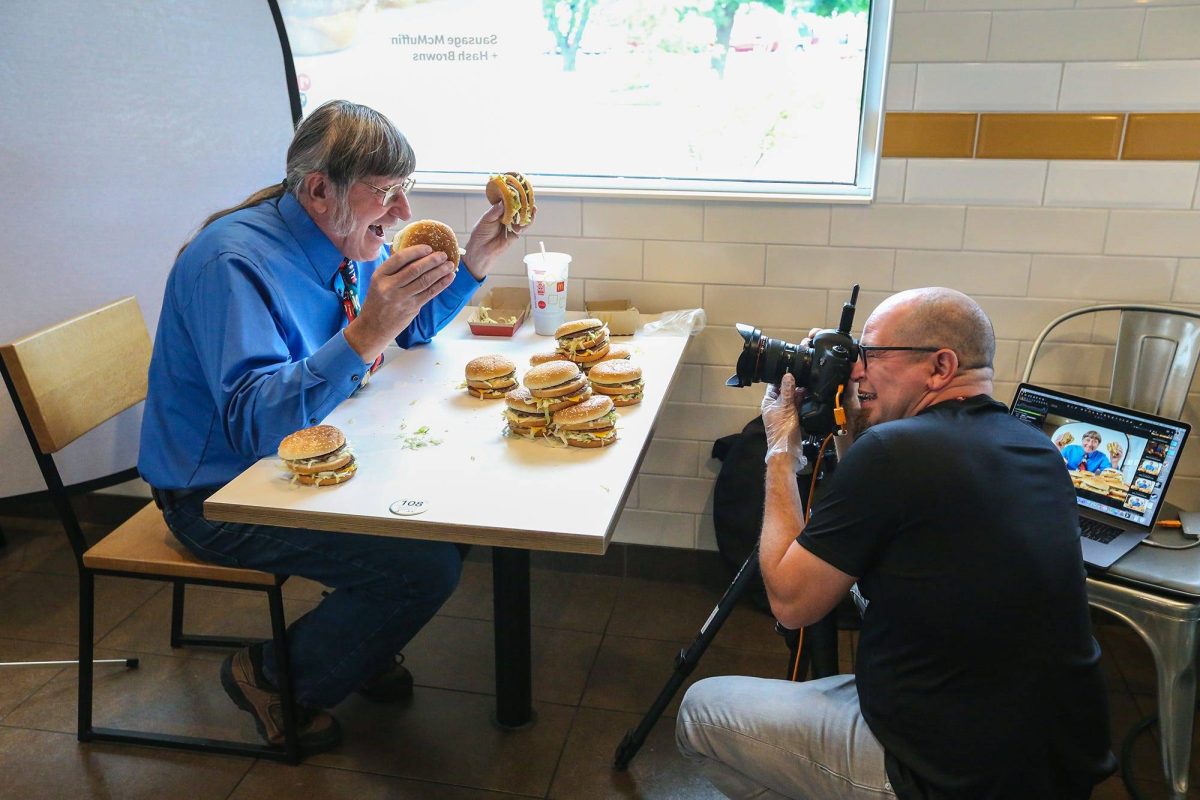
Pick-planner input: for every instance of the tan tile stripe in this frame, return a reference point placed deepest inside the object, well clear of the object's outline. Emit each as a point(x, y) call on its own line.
point(1156, 137)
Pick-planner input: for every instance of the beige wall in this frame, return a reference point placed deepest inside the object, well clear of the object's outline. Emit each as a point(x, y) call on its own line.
point(1029, 239)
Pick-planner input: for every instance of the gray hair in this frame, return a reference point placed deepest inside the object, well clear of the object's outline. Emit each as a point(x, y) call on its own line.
point(345, 141)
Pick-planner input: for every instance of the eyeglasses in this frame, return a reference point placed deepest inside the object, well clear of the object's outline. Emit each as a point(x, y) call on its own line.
point(393, 192)
point(879, 348)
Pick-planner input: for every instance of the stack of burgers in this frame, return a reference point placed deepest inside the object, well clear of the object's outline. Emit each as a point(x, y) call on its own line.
point(556, 400)
point(549, 388)
point(1118, 489)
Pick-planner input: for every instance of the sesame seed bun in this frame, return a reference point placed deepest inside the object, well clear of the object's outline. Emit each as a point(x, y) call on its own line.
point(313, 442)
point(437, 235)
point(621, 380)
point(617, 351)
point(521, 400)
point(317, 456)
point(588, 424)
point(542, 358)
point(554, 378)
point(577, 326)
point(490, 366)
point(582, 415)
point(582, 338)
point(611, 373)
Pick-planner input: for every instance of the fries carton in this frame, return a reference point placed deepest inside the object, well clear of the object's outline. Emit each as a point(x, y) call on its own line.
point(500, 313)
point(621, 316)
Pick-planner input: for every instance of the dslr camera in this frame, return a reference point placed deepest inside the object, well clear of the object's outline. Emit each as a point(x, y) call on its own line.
point(823, 368)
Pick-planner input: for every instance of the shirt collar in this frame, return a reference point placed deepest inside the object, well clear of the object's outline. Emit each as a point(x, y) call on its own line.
point(323, 256)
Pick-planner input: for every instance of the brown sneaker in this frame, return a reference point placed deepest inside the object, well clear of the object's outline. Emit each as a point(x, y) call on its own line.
point(317, 730)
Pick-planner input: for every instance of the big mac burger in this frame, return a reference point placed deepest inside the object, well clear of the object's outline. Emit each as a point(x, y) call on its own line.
point(591, 423)
point(489, 377)
point(620, 380)
point(437, 235)
point(516, 192)
point(318, 456)
point(523, 416)
point(584, 341)
point(556, 385)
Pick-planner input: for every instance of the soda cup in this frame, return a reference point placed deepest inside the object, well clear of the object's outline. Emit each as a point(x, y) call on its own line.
point(547, 290)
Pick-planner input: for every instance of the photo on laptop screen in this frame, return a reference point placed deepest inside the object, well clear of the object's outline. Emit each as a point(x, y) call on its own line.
point(1119, 460)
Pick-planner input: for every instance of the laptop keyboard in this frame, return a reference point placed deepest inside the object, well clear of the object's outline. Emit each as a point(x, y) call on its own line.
point(1098, 531)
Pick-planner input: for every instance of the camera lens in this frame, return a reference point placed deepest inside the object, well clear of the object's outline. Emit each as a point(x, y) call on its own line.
point(764, 359)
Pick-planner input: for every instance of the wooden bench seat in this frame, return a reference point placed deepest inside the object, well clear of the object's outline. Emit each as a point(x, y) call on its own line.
point(144, 544)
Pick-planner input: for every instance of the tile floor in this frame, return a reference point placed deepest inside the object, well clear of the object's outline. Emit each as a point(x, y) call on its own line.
point(603, 644)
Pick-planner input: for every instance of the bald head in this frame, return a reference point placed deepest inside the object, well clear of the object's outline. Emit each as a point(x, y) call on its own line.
point(940, 317)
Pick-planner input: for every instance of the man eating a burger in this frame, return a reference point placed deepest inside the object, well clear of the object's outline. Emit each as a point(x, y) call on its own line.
point(275, 312)
point(976, 673)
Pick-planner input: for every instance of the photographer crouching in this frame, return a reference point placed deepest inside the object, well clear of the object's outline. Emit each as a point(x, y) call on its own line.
point(977, 675)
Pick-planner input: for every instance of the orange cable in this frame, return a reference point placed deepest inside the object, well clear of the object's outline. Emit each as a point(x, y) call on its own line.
point(812, 488)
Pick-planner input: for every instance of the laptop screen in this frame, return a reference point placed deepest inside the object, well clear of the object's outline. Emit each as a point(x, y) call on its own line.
point(1120, 460)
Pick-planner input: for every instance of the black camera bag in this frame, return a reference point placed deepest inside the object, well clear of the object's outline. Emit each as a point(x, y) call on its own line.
point(738, 499)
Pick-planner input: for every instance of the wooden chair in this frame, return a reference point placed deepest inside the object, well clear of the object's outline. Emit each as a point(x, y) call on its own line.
point(65, 381)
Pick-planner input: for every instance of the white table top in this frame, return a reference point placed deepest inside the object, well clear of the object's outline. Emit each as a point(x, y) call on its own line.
point(478, 486)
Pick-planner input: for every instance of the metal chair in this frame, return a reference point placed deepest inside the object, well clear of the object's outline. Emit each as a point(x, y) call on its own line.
point(1157, 349)
point(65, 381)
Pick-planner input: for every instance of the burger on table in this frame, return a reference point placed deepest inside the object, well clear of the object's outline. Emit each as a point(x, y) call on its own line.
point(318, 456)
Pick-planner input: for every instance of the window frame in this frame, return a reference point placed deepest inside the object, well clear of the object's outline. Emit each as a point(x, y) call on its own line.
point(862, 191)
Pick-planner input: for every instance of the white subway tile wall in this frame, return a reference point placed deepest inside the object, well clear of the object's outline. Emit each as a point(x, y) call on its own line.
point(1001, 182)
point(1123, 184)
point(987, 87)
point(1029, 239)
point(1130, 86)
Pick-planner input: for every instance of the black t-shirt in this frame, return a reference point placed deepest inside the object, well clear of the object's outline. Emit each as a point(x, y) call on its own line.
point(976, 666)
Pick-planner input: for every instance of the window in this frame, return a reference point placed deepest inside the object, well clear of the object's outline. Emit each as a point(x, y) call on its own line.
point(773, 99)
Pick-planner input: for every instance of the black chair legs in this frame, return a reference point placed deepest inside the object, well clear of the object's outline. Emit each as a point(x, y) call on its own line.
point(181, 639)
point(283, 671)
point(289, 753)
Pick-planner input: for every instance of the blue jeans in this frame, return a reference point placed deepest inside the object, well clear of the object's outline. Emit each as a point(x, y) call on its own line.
point(385, 590)
point(768, 739)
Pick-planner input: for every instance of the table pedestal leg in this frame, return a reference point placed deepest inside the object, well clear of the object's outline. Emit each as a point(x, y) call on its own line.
point(510, 599)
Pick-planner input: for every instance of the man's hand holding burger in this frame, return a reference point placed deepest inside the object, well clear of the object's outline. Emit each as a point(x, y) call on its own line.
point(782, 423)
point(409, 279)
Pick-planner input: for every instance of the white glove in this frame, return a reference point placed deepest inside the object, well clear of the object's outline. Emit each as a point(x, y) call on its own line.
point(782, 422)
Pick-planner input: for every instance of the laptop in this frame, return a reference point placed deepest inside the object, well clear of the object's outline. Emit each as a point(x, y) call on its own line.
point(1120, 460)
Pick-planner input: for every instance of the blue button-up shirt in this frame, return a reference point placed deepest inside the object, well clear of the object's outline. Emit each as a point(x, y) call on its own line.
point(250, 345)
point(1078, 458)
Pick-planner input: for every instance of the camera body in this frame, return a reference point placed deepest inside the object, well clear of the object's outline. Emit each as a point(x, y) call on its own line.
point(822, 368)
